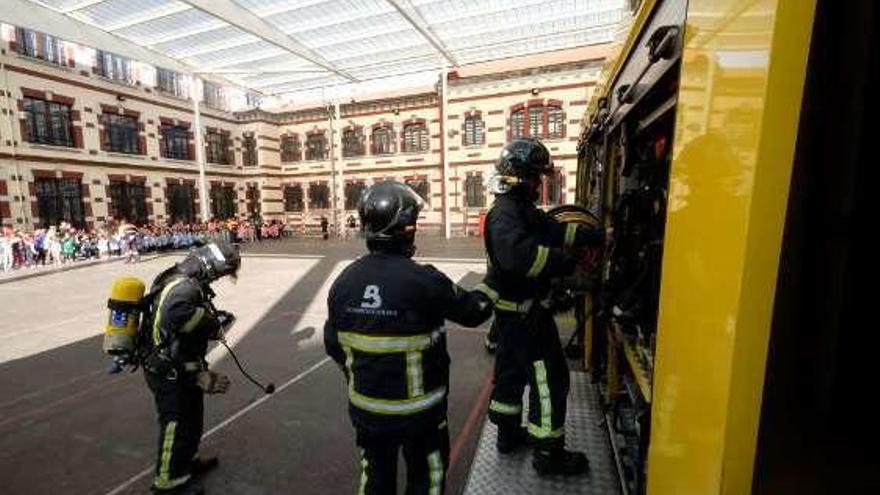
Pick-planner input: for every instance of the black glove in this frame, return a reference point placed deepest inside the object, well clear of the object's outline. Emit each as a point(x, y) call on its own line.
point(226, 319)
point(484, 304)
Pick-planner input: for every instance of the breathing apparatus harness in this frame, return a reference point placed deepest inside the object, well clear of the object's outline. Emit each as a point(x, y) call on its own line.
point(128, 334)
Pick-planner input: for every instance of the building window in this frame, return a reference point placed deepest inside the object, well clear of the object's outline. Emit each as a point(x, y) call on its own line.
point(551, 192)
point(536, 121)
point(474, 130)
point(217, 145)
point(171, 82)
point(214, 96)
point(290, 151)
point(60, 200)
point(249, 151)
point(353, 143)
point(181, 202)
point(42, 46)
point(252, 196)
point(353, 193)
point(518, 123)
point(175, 142)
point(120, 133)
point(547, 122)
point(474, 195)
point(319, 196)
point(222, 202)
point(316, 146)
point(420, 186)
point(114, 67)
point(383, 140)
point(555, 122)
point(48, 122)
point(253, 100)
point(415, 137)
point(293, 198)
point(128, 201)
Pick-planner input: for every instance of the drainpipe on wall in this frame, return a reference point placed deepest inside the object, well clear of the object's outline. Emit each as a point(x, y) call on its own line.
point(335, 143)
point(200, 151)
point(444, 156)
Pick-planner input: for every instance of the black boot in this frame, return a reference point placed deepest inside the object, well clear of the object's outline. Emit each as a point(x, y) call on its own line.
point(191, 487)
point(511, 439)
point(201, 466)
point(560, 461)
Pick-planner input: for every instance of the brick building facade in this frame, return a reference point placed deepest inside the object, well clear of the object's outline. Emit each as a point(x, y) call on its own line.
point(77, 144)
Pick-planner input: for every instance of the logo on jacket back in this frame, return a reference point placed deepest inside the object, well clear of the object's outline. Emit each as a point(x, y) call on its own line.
point(371, 304)
point(372, 299)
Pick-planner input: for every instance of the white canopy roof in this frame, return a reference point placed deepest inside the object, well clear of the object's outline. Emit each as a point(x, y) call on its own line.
point(279, 47)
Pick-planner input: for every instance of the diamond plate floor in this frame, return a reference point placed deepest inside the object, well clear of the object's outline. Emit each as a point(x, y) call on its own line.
point(512, 474)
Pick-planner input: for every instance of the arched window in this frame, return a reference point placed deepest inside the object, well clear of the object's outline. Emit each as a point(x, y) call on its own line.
point(316, 146)
point(415, 137)
point(290, 149)
point(474, 130)
point(540, 121)
point(383, 140)
point(352, 142)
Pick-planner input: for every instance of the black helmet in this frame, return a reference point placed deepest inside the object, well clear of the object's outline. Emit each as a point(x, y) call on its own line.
point(524, 158)
point(213, 260)
point(389, 211)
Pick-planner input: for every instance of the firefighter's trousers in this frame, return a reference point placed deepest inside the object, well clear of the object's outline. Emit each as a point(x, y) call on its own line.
point(425, 450)
point(529, 351)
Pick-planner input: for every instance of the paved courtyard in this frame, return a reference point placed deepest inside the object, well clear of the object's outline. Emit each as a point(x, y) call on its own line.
point(68, 427)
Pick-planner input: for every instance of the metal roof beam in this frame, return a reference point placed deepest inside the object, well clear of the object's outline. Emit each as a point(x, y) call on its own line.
point(412, 16)
point(37, 16)
point(245, 20)
point(261, 71)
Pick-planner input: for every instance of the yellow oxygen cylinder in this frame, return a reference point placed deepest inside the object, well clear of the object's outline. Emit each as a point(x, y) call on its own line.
point(124, 314)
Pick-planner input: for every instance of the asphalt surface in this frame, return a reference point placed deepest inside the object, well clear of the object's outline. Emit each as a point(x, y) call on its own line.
point(68, 427)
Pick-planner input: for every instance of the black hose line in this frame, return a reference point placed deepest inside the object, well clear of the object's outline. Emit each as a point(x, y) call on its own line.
point(268, 388)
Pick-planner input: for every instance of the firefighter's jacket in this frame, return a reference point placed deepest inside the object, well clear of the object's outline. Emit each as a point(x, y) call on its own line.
point(385, 329)
point(181, 324)
point(526, 248)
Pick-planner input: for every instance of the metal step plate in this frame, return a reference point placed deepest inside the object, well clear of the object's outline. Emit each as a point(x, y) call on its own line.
point(512, 474)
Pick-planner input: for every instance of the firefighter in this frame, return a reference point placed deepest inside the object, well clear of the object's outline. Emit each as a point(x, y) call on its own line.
point(385, 330)
point(181, 321)
point(525, 250)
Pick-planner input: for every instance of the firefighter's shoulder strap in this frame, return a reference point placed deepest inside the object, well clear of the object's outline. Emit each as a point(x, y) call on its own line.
point(143, 341)
point(150, 310)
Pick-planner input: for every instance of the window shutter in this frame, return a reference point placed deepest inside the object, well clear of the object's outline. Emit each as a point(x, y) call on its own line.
point(105, 132)
point(25, 130)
